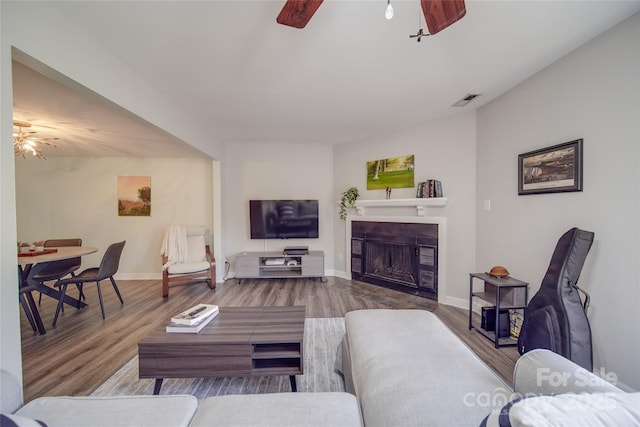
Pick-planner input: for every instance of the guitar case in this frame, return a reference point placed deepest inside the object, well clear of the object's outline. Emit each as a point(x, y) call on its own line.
point(555, 318)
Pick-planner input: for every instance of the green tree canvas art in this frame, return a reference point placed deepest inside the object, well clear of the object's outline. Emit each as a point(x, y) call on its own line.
point(394, 172)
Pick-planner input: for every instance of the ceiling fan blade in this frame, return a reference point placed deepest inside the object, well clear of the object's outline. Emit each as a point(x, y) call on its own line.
point(439, 14)
point(297, 13)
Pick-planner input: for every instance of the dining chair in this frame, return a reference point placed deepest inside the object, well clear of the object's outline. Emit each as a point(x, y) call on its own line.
point(30, 310)
point(55, 270)
point(108, 267)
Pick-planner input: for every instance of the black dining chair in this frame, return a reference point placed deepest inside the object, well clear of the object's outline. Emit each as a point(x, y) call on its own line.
point(55, 270)
point(30, 309)
point(108, 267)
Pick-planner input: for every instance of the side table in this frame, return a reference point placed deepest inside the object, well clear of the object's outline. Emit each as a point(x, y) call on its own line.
point(503, 293)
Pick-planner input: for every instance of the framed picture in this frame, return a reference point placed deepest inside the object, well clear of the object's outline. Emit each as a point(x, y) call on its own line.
point(134, 196)
point(394, 172)
point(551, 170)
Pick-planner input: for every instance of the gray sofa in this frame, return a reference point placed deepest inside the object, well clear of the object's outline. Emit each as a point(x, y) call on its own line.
point(401, 367)
point(282, 409)
point(408, 369)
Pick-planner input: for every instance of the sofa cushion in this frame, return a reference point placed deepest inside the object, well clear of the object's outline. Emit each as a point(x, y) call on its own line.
point(569, 409)
point(408, 368)
point(279, 409)
point(133, 411)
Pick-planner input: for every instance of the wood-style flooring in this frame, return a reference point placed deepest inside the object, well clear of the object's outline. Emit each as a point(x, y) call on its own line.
point(83, 350)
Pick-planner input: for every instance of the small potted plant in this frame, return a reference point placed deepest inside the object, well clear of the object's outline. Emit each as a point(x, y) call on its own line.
point(23, 247)
point(39, 245)
point(347, 201)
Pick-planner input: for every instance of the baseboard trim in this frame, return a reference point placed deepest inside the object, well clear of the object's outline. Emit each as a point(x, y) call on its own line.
point(138, 276)
point(149, 276)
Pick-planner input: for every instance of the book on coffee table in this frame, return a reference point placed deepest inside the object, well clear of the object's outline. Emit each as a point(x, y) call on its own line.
point(190, 329)
point(195, 314)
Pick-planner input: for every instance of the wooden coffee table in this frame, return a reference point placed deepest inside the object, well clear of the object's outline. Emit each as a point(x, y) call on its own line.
point(239, 341)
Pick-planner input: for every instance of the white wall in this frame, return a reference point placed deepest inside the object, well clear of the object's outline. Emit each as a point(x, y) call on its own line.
point(276, 171)
point(443, 150)
point(77, 197)
point(593, 93)
point(10, 354)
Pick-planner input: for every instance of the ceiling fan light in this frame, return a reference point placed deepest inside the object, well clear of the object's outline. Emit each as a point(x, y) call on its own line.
point(388, 13)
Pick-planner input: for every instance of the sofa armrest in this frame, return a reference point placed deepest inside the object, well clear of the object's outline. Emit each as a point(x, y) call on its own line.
point(10, 392)
point(543, 371)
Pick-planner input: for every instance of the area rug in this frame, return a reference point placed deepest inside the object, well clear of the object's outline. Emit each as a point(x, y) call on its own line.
point(321, 340)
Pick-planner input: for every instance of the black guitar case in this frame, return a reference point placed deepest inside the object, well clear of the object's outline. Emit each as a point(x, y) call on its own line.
point(556, 318)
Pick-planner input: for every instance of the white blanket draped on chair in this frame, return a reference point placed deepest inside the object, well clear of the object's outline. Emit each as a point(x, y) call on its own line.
point(174, 245)
point(186, 258)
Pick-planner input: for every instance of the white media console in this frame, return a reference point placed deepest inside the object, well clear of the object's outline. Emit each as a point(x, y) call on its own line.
point(254, 265)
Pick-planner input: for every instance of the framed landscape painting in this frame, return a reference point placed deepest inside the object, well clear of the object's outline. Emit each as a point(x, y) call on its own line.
point(134, 196)
point(551, 170)
point(394, 172)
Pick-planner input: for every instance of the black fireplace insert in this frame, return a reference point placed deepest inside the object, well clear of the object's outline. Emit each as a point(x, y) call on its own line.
point(401, 256)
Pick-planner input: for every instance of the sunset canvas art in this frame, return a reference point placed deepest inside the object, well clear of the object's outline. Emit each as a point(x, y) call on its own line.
point(134, 196)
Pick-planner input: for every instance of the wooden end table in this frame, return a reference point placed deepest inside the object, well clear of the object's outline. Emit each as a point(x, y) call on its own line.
point(239, 341)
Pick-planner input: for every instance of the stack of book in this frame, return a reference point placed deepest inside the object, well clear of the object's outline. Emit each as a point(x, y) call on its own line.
point(192, 321)
point(429, 188)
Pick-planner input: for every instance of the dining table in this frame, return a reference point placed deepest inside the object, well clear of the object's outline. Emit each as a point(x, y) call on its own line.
point(26, 261)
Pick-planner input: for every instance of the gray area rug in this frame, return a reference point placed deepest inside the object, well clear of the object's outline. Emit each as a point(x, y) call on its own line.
point(321, 340)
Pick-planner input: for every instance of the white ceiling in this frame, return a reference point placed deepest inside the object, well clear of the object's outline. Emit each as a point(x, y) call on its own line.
point(348, 75)
point(86, 124)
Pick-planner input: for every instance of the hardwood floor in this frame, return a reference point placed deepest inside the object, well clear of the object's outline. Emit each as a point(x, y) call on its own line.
point(82, 351)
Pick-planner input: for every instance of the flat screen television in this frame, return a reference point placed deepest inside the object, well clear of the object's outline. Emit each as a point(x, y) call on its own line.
point(283, 219)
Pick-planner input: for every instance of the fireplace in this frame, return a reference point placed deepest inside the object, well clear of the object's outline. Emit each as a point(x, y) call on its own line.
point(396, 255)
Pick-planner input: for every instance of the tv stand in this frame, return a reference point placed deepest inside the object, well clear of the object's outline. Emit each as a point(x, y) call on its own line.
point(261, 265)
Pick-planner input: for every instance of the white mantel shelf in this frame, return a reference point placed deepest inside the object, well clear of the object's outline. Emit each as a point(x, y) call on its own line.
point(419, 204)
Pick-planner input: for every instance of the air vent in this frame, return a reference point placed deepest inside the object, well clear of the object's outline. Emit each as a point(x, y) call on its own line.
point(467, 99)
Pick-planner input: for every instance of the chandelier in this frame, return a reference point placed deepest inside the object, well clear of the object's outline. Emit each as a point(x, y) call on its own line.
point(25, 143)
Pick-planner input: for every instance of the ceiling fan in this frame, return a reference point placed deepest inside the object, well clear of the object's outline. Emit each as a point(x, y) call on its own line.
point(438, 14)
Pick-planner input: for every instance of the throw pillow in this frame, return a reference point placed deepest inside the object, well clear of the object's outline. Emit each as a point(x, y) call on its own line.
point(568, 409)
point(10, 420)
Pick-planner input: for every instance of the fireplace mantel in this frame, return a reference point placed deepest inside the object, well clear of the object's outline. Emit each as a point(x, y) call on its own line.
point(419, 204)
